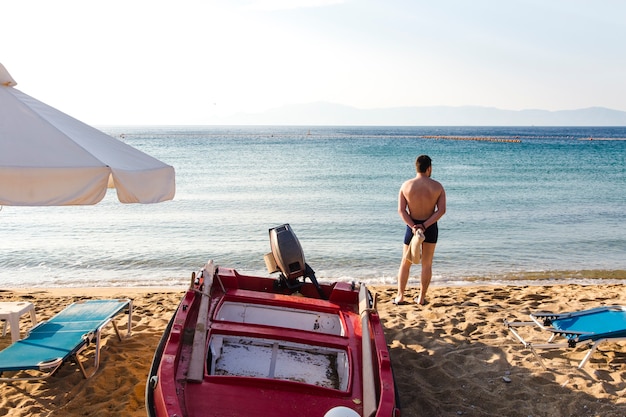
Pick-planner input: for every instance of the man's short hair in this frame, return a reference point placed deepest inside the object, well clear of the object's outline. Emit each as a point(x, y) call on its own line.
point(422, 163)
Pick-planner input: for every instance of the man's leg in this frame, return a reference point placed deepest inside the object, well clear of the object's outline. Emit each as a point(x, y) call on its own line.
point(403, 276)
point(428, 252)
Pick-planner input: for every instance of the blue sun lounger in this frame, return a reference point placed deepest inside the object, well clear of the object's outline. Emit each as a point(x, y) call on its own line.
point(51, 343)
point(594, 326)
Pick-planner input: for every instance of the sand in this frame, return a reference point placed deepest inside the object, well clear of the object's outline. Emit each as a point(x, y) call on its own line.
point(452, 357)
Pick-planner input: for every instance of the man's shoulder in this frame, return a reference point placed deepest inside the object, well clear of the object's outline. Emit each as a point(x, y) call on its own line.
point(434, 186)
point(408, 182)
point(436, 182)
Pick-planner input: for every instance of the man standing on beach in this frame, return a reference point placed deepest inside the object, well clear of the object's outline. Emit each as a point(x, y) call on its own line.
point(421, 202)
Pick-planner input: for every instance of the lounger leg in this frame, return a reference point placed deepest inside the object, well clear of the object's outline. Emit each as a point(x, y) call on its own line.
point(539, 358)
point(97, 355)
point(511, 326)
point(595, 346)
point(80, 366)
point(96, 364)
point(97, 340)
point(130, 323)
point(92, 337)
point(591, 351)
point(117, 331)
point(130, 317)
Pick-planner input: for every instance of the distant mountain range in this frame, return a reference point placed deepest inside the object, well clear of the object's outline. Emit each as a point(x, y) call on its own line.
point(331, 114)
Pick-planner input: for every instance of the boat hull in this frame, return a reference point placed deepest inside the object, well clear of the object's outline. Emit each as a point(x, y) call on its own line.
point(243, 346)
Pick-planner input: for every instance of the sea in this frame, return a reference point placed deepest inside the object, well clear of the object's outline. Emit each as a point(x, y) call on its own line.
point(525, 205)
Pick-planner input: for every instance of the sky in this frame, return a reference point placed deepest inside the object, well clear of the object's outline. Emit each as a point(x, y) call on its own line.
point(143, 62)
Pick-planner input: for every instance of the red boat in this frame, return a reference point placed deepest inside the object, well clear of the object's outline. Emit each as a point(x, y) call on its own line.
point(245, 346)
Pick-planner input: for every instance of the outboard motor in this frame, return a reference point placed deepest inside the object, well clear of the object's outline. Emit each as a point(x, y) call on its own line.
point(288, 259)
point(287, 252)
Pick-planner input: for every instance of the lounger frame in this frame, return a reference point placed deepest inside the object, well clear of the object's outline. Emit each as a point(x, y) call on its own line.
point(48, 368)
point(543, 320)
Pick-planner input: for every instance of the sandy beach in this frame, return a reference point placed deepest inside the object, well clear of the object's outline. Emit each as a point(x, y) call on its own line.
point(451, 357)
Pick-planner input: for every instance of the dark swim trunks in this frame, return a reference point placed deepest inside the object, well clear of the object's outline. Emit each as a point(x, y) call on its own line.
point(430, 235)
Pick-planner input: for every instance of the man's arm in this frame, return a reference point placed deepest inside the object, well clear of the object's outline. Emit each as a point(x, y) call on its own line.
point(402, 210)
point(402, 205)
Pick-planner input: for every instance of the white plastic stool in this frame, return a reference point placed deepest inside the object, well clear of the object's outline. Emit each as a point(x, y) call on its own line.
point(11, 312)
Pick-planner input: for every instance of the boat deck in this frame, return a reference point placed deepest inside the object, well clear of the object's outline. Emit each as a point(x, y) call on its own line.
point(272, 359)
point(276, 359)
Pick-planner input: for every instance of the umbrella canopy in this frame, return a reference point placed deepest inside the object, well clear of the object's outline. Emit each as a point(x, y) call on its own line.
point(48, 158)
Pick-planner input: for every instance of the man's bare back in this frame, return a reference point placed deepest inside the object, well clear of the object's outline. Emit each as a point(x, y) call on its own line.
point(421, 198)
point(421, 194)
point(421, 203)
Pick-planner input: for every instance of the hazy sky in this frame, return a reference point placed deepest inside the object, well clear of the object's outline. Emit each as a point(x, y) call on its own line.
point(192, 61)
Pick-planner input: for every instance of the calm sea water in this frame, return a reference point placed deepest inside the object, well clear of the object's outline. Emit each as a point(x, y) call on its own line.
point(523, 203)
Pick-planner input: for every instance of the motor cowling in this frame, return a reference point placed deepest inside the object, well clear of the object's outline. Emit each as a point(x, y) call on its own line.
point(287, 252)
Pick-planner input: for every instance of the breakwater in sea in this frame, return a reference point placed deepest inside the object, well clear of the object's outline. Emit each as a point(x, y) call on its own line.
point(476, 138)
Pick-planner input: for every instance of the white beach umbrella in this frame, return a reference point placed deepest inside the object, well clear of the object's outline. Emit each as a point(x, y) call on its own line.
point(48, 158)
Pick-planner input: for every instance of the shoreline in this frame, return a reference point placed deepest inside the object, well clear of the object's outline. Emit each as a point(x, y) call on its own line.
point(449, 357)
point(593, 277)
point(548, 277)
